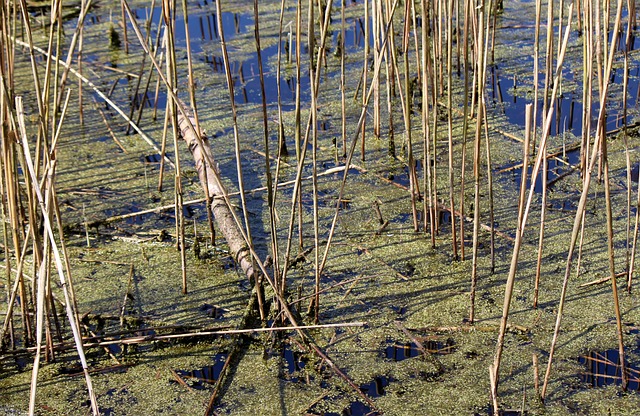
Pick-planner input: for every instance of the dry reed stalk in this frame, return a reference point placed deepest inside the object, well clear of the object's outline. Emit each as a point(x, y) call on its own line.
point(297, 121)
point(59, 267)
point(534, 133)
point(480, 71)
point(578, 221)
point(13, 208)
point(454, 239)
point(587, 71)
point(524, 213)
point(314, 182)
point(548, 71)
point(635, 242)
point(465, 123)
point(282, 143)
point(536, 72)
point(391, 71)
point(343, 102)
point(124, 27)
point(365, 73)
point(13, 293)
point(436, 86)
point(169, 18)
point(267, 158)
point(360, 124)
point(625, 82)
point(296, 197)
point(376, 28)
point(136, 89)
point(406, 102)
point(492, 231)
point(494, 372)
point(150, 71)
point(429, 206)
point(543, 210)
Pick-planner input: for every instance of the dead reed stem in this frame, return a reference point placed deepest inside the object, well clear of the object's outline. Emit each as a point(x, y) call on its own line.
point(454, 240)
point(578, 221)
point(267, 159)
point(480, 70)
point(524, 210)
point(59, 267)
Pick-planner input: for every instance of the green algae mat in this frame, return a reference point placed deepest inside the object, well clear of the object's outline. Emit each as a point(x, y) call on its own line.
point(393, 334)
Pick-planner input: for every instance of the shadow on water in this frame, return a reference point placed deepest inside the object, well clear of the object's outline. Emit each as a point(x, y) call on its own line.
point(603, 369)
point(204, 377)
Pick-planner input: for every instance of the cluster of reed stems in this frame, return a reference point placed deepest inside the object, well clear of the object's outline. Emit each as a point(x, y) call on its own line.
point(415, 53)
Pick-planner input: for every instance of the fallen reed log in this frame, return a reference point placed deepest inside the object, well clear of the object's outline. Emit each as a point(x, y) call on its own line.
point(201, 151)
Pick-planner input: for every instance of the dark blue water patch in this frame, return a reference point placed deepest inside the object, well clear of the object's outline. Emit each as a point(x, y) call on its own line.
point(557, 169)
point(635, 172)
point(373, 389)
point(153, 158)
point(203, 25)
point(603, 369)
point(295, 361)
point(505, 97)
point(376, 387)
point(204, 377)
point(399, 351)
point(355, 408)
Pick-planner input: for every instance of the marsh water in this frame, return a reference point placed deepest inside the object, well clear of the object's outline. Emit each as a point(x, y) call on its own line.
point(400, 305)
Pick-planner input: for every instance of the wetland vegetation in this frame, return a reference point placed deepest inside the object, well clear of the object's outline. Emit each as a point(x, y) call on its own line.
point(319, 208)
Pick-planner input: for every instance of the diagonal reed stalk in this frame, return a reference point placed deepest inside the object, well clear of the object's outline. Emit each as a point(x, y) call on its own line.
point(522, 215)
point(579, 218)
point(50, 239)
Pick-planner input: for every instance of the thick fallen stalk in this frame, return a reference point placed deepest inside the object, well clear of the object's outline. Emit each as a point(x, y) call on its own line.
point(203, 158)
